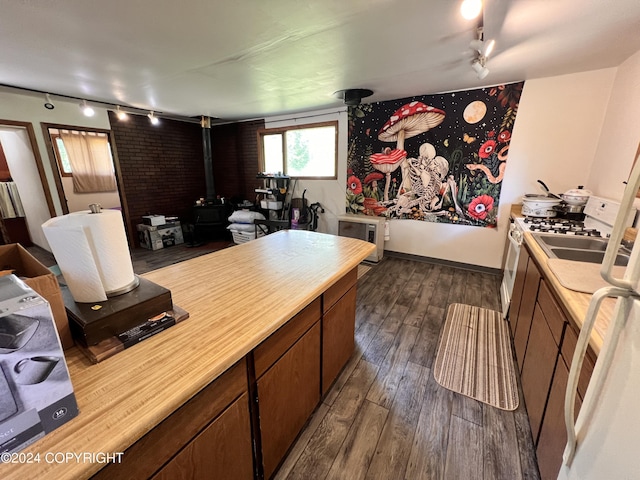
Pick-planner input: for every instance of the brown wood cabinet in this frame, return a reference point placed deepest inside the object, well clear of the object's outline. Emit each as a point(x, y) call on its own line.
point(338, 328)
point(518, 286)
point(537, 371)
point(287, 395)
point(188, 441)
point(544, 347)
point(222, 450)
point(527, 306)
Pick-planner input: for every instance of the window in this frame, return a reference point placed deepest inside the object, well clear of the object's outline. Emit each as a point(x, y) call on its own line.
point(85, 156)
point(303, 151)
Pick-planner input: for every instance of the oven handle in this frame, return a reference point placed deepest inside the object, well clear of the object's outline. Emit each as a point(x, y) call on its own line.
point(516, 240)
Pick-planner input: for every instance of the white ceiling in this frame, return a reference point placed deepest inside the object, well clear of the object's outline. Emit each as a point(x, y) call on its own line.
point(245, 59)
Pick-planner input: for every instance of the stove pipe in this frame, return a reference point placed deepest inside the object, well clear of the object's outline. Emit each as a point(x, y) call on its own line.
point(205, 122)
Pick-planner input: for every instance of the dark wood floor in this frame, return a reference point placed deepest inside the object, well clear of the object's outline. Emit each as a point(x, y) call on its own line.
point(386, 417)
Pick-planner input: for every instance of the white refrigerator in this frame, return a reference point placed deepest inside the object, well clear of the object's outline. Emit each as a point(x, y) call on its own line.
point(604, 442)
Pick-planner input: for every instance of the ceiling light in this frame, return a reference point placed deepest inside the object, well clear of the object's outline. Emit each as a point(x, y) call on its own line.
point(480, 46)
point(480, 68)
point(48, 105)
point(352, 96)
point(470, 9)
point(121, 114)
point(86, 109)
point(153, 119)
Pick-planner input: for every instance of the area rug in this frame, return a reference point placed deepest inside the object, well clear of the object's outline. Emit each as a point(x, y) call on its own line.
point(474, 356)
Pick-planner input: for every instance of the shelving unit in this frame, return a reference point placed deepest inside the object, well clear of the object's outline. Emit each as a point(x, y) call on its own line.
point(272, 196)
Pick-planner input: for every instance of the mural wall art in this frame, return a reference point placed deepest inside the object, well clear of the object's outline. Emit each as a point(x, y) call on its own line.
point(437, 158)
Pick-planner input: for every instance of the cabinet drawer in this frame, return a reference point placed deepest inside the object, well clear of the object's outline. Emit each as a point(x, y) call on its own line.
point(552, 312)
point(268, 352)
point(148, 454)
point(338, 289)
point(568, 347)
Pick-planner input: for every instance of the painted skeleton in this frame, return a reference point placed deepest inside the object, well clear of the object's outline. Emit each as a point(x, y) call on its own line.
point(426, 175)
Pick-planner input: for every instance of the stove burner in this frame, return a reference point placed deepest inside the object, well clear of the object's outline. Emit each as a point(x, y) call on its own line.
point(560, 226)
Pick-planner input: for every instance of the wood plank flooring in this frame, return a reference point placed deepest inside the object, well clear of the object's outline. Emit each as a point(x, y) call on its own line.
point(386, 417)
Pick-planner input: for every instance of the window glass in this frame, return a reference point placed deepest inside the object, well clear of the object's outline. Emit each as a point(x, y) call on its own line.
point(306, 151)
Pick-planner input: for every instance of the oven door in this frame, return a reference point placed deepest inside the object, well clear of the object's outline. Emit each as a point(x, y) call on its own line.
point(514, 239)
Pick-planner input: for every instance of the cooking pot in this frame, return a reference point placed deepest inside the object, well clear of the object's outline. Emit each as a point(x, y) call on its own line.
point(534, 205)
point(576, 196)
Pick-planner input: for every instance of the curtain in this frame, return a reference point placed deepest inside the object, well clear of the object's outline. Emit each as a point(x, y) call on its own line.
point(90, 161)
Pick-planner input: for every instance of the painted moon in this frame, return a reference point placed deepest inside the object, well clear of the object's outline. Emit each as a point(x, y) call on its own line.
point(474, 112)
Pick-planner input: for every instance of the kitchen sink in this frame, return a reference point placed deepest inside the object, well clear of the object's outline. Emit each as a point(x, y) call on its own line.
point(584, 243)
point(591, 256)
point(578, 249)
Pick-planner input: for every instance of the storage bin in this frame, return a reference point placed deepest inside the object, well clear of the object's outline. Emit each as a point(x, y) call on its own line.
point(243, 237)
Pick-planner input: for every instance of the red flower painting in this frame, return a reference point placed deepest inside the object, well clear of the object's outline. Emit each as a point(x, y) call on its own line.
point(480, 206)
point(487, 148)
point(504, 136)
point(354, 185)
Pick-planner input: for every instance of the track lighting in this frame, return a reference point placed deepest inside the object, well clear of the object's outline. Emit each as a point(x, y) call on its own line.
point(121, 114)
point(48, 105)
point(483, 50)
point(153, 119)
point(479, 66)
point(86, 109)
point(470, 9)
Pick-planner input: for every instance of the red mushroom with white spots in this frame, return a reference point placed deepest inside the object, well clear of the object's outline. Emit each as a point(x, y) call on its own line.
point(372, 179)
point(387, 162)
point(408, 121)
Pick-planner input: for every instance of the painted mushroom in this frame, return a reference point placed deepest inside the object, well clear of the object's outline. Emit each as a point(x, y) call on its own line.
point(372, 179)
point(387, 162)
point(408, 121)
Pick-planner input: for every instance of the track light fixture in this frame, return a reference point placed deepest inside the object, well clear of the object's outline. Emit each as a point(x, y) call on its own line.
point(483, 50)
point(479, 66)
point(121, 114)
point(47, 104)
point(153, 119)
point(87, 109)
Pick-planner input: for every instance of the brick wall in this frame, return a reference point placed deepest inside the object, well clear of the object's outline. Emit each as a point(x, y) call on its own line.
point(163, 166)
point(235, 159)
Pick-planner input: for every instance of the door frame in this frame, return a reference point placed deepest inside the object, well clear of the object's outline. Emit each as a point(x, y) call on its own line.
point(28, 126)
point(116, 166)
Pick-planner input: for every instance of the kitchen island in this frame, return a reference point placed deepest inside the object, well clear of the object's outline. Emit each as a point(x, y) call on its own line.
point(271, 309)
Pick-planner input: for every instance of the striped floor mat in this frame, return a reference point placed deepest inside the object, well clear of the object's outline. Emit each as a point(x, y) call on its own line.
point(474, 356)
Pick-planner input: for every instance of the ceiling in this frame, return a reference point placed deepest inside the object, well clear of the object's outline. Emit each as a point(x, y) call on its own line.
point(250, 59)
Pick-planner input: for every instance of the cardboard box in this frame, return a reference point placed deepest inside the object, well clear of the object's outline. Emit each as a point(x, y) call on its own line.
point(16, 258)
point(36, 394)
point(153, 220)
point(161, 236)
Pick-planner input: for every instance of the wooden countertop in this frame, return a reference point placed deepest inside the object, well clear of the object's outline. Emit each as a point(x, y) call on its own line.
point(236, 298)
point(575, 304)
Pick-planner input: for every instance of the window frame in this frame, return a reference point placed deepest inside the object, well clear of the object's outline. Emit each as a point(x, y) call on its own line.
point(283, 131)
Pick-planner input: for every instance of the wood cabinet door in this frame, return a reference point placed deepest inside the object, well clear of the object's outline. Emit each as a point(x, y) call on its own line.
point(287, 395)
point(537, 370)
point(553, 433)
point(338, 331)
point(222, 450)
point(525, 313)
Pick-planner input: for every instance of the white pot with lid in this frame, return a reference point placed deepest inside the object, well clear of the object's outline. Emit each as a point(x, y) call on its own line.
point(534, 205)
point(576, 196)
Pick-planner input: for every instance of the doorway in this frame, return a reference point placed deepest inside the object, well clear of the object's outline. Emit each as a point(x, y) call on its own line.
point(26, 173)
